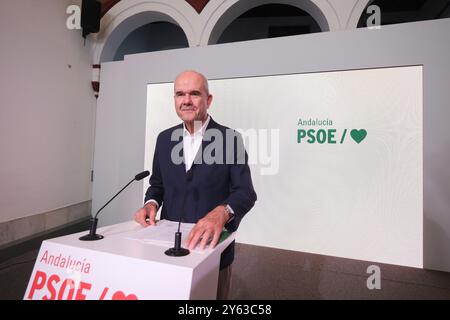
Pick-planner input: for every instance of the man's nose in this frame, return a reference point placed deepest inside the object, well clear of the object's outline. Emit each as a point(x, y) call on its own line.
point(187, 99)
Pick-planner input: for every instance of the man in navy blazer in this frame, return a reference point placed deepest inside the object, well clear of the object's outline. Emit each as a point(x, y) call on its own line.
point(201, 173)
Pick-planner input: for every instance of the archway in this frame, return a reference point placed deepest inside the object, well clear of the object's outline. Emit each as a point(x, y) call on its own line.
point(269, 21)
point(134, 28)
point(127, 16)
point(228, 11)
point(155, 36)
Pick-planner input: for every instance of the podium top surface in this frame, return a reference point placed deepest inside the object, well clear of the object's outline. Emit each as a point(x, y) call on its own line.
point(116, 241)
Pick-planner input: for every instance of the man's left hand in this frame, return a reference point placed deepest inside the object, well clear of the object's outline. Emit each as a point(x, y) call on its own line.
point(209, 226)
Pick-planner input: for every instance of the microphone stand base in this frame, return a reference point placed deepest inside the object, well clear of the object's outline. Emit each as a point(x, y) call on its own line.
point(177, 252)
point(89, 237)
point(92, 235)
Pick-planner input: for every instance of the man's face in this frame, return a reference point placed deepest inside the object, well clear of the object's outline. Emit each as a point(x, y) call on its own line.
point(191, 97)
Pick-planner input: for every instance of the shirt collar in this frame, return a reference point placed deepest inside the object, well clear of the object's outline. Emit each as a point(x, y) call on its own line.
point(200, 131)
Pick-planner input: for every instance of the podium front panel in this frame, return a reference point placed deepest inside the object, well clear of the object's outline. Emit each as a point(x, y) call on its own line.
point(116, 268)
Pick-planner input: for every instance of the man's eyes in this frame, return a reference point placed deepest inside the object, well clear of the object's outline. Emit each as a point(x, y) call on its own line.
point(194, 94)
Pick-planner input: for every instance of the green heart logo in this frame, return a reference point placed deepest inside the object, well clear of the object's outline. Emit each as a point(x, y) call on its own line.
point(358, 135)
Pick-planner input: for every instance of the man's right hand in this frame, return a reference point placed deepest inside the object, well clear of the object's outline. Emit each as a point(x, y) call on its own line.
point(146, 215)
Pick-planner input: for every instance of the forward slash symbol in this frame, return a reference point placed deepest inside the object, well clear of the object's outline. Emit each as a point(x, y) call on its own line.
point(343, 136)
point(102, 297)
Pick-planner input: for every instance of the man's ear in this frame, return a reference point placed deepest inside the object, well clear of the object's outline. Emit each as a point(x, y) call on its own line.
point(209, 100)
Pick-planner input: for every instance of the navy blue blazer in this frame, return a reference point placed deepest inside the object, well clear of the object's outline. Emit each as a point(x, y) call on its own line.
point(227, 180)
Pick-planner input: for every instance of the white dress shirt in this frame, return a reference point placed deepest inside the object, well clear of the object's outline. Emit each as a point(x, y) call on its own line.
point(192, 142)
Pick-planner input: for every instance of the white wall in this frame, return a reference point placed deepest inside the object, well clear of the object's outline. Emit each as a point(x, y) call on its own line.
point(46, 109)
point(122, 104)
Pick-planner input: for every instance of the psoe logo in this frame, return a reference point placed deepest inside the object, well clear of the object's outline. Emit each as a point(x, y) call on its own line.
point(73, 21)
point(326, 134)
point(320, 136)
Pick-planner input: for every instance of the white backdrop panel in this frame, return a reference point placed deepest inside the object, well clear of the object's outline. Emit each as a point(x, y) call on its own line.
point(355, 200)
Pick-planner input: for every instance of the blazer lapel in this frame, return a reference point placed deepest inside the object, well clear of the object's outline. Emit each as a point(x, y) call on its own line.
point(179, 168)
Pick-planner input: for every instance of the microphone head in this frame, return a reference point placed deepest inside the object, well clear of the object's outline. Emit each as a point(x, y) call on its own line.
point(142, 175)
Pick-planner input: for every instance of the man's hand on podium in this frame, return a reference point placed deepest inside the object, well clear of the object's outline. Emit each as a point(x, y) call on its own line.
point(210, 226)
point(146, 215)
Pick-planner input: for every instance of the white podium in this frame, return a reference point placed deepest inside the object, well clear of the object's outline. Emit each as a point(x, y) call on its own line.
point(120, 268)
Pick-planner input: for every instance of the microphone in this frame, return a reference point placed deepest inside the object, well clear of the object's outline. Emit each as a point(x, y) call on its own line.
point(177, 250)
point(92, 235)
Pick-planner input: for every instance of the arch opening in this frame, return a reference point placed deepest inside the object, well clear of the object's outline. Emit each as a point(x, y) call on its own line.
point(155, 36)
point(143, 32)
point(269, 21)
point(285, 17)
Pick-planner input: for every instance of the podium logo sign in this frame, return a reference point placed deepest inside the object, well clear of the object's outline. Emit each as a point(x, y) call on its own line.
point(65, 275)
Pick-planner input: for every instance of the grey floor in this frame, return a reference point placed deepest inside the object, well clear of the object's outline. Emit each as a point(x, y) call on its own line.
point(14, 275)
point(264, 273)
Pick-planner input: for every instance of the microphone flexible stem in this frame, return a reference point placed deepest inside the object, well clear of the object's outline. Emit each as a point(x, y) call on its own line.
point(113, 198)
point(182, 208)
